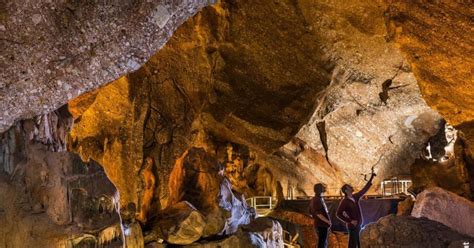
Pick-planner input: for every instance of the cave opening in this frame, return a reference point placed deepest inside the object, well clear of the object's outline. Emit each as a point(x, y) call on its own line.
point(236, 124)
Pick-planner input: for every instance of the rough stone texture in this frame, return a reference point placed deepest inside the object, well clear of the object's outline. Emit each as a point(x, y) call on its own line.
point(246, 72)
point(240, 239)
point(302, 224)
point(446, 207)
point(426, 32)
point(261, 233)
point(179, 224)
point(372, 109)
point(410, 232)
point(405, 207)
point(110, 132)
point(451, 175)
point(48, 197)
point(53, 51)
point(197, 82)
point(197, 178)
point(270, 230)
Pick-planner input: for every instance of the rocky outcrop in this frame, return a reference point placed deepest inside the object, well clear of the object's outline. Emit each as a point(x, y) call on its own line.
point(268, 229)
point(445, 207)
point(52, 194)
point(220, 75)
point(54, 51)
point(260, 233)
point(425, 33)
point(407, 231)
point(450, 175)
point(405, 207)
point(179, 224)
point(111, 133)
point(198, 179)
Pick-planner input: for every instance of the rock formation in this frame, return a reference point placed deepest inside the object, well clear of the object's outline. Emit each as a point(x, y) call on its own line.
point(53, 51)
point(50, 193)
point(246, 98)
point(407, 231)
point(180, 224)
point(197, 178)
point(445, 207)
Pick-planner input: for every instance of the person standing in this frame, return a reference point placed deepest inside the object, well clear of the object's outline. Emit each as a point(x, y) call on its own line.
point(349, 211)
point(319, 212)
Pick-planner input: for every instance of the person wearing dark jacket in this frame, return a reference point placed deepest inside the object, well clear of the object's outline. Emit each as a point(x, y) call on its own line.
point(319, 212)
point(350, 213)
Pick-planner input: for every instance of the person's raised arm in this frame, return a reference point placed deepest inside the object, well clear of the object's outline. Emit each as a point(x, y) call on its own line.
point(366, 187)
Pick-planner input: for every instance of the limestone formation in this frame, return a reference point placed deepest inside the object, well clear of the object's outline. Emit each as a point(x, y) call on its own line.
point(406, 231)
point(179, 224)
point(260, 233)
point(53, 51)
point(246, 98)
point(270, 231)
point(425, 33)
point(197, 178)
point(446, 207)
point(49, 193)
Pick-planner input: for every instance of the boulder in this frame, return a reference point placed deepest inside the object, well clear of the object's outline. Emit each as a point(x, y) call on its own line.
point(404, 207)
point(445, 207)
point(408, 231)
point(179, 224)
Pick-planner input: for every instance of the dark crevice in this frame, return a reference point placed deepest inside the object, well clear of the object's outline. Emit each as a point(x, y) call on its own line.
point(323, 137)
point(384, 94)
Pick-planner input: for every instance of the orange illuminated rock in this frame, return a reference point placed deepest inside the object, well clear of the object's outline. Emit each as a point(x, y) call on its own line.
point(110, 131)
point(198, 179)
point(436, 37)
point(148, 189)
point(179, 224)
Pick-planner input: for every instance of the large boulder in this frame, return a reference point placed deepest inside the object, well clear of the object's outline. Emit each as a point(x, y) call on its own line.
point(198, 178)
point(410, 232)
point(179, 224)
point(445, 207)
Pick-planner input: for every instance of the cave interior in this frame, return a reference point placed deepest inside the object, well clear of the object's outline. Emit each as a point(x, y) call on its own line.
point(207, 123)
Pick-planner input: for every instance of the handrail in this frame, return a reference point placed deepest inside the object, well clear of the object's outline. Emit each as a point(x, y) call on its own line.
point(264, 208)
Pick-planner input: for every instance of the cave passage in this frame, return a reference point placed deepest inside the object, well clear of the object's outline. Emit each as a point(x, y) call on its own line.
point(236, 124)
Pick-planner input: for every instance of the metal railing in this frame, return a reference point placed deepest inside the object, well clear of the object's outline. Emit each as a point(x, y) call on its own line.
point(263, 205)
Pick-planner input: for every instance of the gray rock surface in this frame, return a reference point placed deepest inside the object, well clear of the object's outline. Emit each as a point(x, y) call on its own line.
point(446, 207)
point(410, 232)
point(53, 51)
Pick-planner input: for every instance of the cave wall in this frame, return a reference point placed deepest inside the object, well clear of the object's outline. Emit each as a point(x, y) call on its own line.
point(312, 91)
point(48, 195)
point(353, 101)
